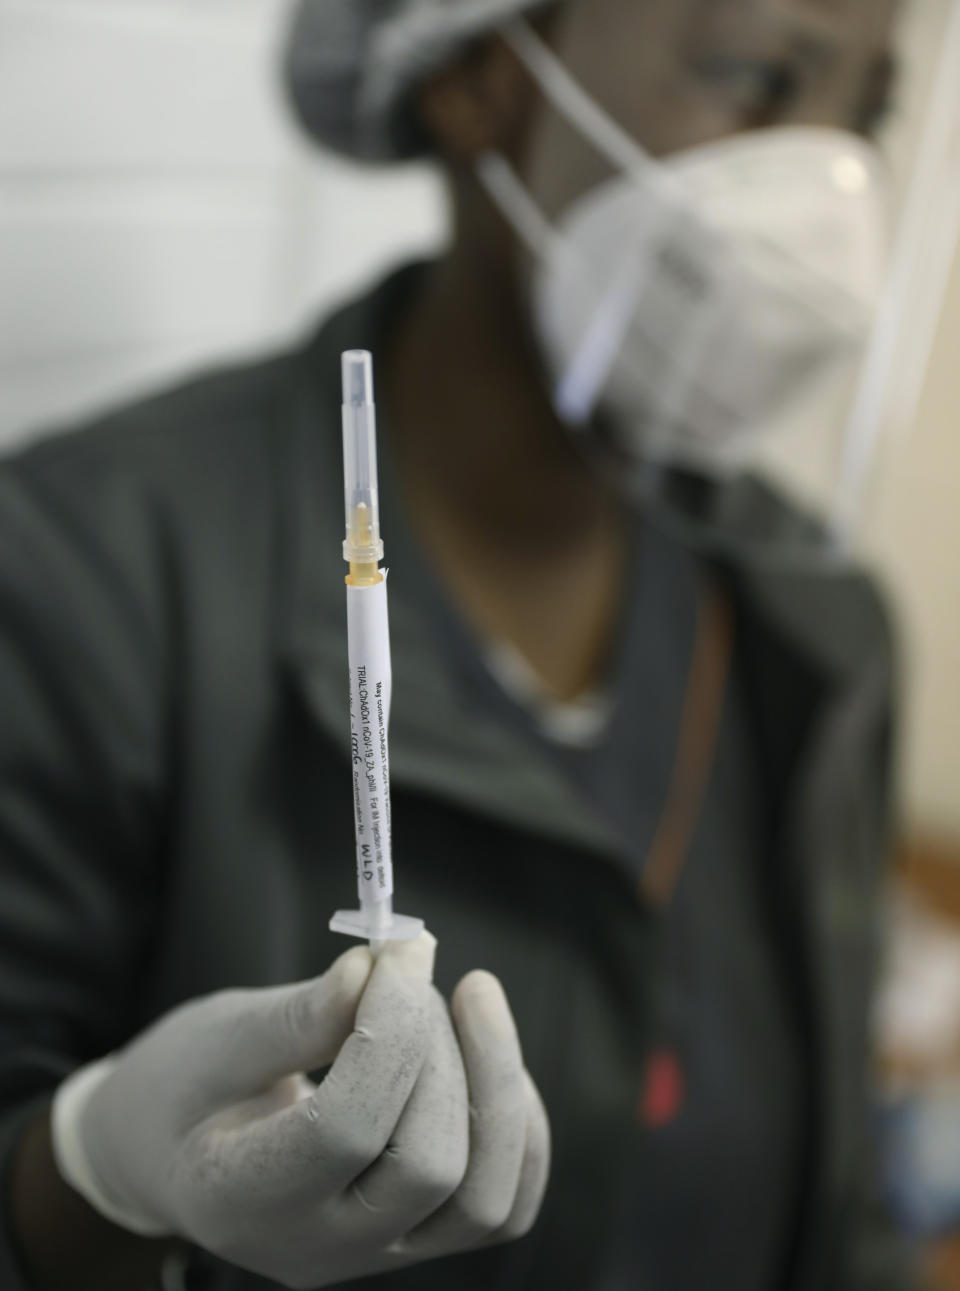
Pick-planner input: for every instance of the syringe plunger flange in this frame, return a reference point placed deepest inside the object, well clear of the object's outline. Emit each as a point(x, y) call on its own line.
point(362, 544)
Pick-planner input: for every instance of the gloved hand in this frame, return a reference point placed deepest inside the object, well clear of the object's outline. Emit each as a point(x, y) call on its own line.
point(420, 1141)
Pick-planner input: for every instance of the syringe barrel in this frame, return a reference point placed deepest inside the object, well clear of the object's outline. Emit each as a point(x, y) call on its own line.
point(361, 501)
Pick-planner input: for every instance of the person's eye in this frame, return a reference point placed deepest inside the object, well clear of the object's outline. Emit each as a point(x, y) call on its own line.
point(873, 119)
point(756, 88)
point(878, 103)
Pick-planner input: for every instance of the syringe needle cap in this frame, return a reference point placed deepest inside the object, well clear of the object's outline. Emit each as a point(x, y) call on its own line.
point(362, 545)
point(357, 375)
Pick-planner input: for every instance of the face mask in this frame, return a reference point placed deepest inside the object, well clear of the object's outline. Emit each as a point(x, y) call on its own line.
point(689, 301)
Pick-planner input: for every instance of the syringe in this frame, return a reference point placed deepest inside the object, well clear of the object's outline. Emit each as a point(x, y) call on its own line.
point(368, 649)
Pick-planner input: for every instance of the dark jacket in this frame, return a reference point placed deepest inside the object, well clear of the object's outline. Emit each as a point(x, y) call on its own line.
point(175, 791)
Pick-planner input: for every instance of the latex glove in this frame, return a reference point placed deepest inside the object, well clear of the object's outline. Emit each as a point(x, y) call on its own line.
point(421, 1140)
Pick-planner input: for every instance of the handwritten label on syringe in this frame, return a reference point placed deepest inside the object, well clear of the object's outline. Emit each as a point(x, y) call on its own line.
point(370, 688)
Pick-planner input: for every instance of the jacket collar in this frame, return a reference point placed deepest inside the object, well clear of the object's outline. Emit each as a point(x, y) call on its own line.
point(820, 608)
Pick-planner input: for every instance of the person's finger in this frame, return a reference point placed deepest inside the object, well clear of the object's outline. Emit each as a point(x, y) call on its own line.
point(248, 1040)
point(322, 1142)
point(534, 1172)
point(426, 1158)
point(498, 1122)
point(375, 1071)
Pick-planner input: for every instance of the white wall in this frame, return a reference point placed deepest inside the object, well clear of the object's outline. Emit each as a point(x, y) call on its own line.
point(157, 211)
point(912, 531)
point(910, 522)
point(156, 206)
point(913, 534)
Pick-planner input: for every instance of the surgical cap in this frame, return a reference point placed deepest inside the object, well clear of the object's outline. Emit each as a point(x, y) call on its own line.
point(351, 64)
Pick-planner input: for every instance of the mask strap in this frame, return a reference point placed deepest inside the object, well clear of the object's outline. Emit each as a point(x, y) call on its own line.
point(578, 107)
point(578, 390)
point(570, 99)
point(575, 395)
point(508, 192)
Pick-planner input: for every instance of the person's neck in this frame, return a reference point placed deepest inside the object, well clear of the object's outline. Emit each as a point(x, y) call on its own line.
point(529, 543)
point(472, 430)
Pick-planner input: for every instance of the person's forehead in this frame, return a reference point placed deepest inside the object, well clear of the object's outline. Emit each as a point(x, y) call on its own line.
point(825, 20)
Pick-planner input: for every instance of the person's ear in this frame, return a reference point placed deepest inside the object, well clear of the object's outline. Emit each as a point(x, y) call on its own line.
point(480, 103)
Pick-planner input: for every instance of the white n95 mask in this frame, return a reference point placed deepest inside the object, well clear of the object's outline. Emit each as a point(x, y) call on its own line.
point(688, 301)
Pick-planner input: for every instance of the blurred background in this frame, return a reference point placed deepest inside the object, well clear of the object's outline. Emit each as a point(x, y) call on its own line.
point(159, 213)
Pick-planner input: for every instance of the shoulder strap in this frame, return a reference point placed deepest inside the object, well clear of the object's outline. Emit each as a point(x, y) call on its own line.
point(697, 740)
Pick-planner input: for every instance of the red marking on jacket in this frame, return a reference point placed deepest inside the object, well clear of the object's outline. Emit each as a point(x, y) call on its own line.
point(663, 1090)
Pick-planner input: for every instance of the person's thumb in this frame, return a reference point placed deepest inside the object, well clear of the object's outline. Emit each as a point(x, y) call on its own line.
point(264, 1035)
